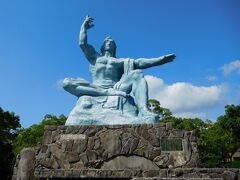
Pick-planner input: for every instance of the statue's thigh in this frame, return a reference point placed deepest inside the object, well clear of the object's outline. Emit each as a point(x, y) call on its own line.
point(128, 81)
point(125, 84)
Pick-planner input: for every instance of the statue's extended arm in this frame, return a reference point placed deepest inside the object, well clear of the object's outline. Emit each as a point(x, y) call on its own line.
point(143, 63)
point(87, 49)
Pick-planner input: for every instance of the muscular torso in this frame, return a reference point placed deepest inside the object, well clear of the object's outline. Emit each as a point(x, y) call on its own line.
point(106, 71)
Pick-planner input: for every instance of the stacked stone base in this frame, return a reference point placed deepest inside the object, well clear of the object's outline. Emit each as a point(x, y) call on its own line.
point(146, 151)
point(178, 173)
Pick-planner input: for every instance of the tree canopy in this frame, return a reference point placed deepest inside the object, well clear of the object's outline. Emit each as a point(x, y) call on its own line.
point(30, 137)
point(9, 126)
point(222, 139)
point(155, 107)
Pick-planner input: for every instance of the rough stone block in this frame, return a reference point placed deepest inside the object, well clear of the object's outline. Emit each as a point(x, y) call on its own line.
point(47, 137)
point(26, 165)
point(151, 173)
point(68, 174)
point(131, 162)
point(58, 173)
point(67, 145)
point(50, 128)
point(229, 175)
point(169, 126)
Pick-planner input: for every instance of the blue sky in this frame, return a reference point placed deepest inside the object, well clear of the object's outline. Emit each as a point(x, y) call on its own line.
point(39, 48)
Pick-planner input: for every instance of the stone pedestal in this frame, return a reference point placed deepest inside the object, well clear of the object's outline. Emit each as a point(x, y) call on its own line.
point(113, 148)
point(147, 151)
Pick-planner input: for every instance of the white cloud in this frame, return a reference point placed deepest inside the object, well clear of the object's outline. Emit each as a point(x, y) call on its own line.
point(211, 78)
point(184, 98)
point(191, 115)
point(232, 67)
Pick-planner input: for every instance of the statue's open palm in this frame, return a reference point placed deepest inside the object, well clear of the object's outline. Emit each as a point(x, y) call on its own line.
point(88, 22)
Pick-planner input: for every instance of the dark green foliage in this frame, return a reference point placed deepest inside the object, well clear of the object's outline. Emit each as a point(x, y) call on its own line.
point(29, 137)
point(231, 120)
point(214, 146)
point(9, 125)
point(155, 107)
point(235, 164)
point(188, 124)
point(222, 139)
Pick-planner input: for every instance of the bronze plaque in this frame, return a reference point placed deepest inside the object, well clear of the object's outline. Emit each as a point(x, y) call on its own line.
point(171, 144)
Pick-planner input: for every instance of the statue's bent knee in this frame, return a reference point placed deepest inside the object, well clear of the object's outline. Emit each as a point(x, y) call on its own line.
point(66, 83)
point(70, 86)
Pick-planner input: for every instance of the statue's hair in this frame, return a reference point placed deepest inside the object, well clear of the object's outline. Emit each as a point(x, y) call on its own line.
point(114, 46)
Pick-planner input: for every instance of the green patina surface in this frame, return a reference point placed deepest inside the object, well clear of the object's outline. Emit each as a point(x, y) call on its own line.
point(118, 86)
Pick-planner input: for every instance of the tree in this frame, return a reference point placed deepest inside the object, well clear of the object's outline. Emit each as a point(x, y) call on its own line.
point(221, 140)
point(216, 145)
point(189, 124)
point(155, 107)
point(9, 126)
point(29, 137)
point(231, 120)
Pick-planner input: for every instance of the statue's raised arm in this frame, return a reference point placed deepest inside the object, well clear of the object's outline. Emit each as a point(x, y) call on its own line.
point(143, 63)
point(89, 51)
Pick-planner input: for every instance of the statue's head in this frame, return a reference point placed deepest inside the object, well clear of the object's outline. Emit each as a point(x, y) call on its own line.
point(109, 45)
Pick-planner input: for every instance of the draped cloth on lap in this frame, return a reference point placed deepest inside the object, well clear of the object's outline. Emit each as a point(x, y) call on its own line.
point(117, 102)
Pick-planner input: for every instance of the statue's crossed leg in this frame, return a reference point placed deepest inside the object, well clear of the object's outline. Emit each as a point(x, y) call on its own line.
point(133, 82)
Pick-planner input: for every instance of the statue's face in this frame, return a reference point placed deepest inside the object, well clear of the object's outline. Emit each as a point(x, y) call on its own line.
point(109, 44)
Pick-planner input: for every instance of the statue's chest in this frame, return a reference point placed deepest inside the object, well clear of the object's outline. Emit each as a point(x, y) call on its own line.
point(106, 62)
